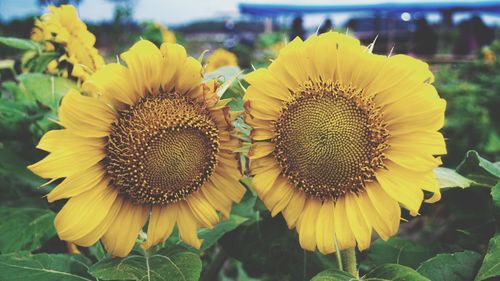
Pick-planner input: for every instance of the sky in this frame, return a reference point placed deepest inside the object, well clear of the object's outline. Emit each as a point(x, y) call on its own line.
point(171, 12)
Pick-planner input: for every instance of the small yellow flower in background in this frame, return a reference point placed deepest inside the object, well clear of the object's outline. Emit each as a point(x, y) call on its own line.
point(219, 58)
point(62, 26)
point(488, 55)
point(341, 137)
point(148, 141)
point(276, 47)
point(167, 35)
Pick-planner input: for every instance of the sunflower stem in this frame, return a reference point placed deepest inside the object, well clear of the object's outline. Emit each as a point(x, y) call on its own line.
point(350, 265)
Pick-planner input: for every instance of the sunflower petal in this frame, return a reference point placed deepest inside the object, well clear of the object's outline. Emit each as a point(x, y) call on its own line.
point(122, 234)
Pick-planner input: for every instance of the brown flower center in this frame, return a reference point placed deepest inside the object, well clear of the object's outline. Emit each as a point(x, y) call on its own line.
point(329, 140)
point(161, 149)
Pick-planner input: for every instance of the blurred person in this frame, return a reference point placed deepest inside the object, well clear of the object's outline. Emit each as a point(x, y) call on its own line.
point(326, 26)
point(425, 39)
point(484, 35)
point(297, 29)
point(473, 35)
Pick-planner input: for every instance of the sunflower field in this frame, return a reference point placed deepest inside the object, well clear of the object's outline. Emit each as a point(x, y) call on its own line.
point(313, 159)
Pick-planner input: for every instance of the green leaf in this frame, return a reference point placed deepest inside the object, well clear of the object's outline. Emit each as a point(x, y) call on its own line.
point(25, 228)
point(226, 72)
point(210, 236)
point(394, 272)
point(461, 266)
point(268, 250)
point(47, 89)
point(333, 275)
point(491, 263)
point(43, 267)
point(168, 264)
point(400, 251)
point(479, 169)
point(18, 43)
point(495, 196)
point(449, 178)
point(39, 63)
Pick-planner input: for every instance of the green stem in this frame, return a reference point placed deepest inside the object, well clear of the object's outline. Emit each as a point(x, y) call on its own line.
point(349, 257)
point(339, 260)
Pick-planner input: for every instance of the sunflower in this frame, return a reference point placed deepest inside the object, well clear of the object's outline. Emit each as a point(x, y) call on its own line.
point(62, 27)
point(342, 137)
point(166, 35)
point(148, 140)
point(219, 58)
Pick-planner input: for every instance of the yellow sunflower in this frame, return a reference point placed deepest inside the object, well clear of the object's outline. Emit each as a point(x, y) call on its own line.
point(167, 35)
point(341, 137)
point(219, 58)
point(62, 26)
point(149, 140)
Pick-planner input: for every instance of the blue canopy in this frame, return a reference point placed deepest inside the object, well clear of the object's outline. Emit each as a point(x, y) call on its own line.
point(454, 6)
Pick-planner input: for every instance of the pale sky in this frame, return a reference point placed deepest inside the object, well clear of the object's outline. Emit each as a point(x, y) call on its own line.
point(172, 12)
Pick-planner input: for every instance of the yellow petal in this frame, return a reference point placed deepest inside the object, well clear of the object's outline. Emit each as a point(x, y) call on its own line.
point(411, 160)
point(360, 227)
point(294, 208)
point(174, 58)
point(343, 233)
point(380, 224)
point(188, 76)
point(230, 186)
point(83, 213)
point(59, 139)
point(401, 189)
point(122, 234)
point(85, 116)
point(421, 142)
point(201, 209)
point(281, 189)
point(260, 149)
point(387, 207)
point(325, 228)
point(187, 226)
point(286, 196)
point(77, 184)
point(263, 182)
point(65, 163)
point(262, 78)
point(114, 83)
point(217, 199)
point(161, 224)
point(144, 62)
point(96, 234)
point(306, 225)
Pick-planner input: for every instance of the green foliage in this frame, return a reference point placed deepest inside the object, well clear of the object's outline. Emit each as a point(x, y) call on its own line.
point(450, 178)
point(23, 266)
point(333, 275)
point(472, 118)
point(394, 272)
point(21, 44)
point(398, 250)
point(46, 89)
point(167, 264)
point(479, 169)
point(25, 228)
point(460, 266)
point(491, 264)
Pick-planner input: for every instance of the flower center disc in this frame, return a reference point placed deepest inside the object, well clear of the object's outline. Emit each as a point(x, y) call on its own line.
point(329, 140)
point(161, 149)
